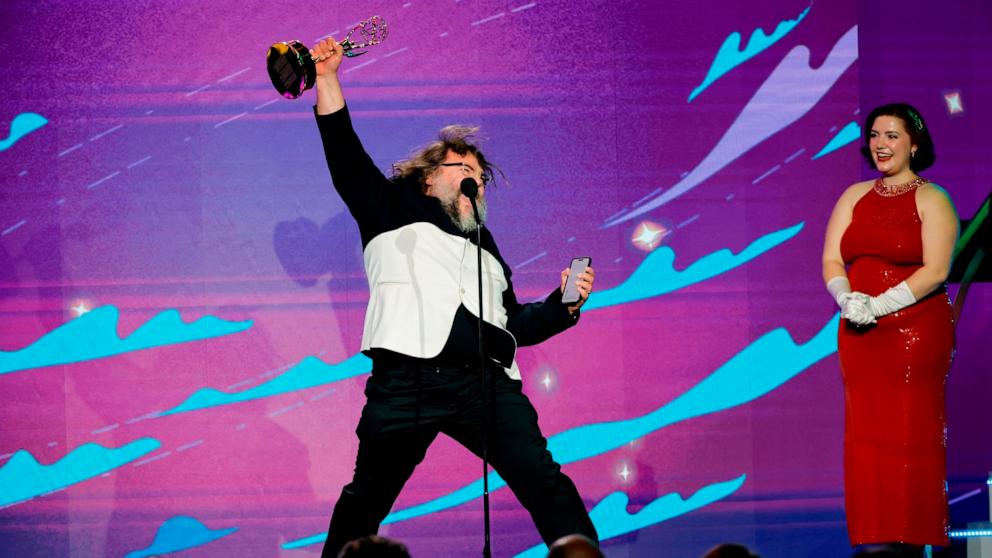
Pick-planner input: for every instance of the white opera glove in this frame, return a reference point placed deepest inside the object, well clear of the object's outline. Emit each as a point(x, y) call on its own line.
point(857, 309)
point(839, 288)
point(892, 300)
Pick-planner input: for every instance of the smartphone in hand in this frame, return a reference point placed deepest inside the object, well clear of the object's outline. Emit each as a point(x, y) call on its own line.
point(571, 294)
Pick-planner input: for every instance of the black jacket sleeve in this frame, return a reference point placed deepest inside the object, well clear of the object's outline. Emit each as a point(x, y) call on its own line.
point(357, 180)
point(534, 322)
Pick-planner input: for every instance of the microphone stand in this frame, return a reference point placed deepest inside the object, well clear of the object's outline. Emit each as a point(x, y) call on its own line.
point(470, 189)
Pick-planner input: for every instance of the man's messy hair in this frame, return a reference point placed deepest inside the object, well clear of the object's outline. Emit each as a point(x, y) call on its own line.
point(458, 138)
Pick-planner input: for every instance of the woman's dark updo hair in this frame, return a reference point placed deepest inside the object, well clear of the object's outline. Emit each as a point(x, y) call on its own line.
point(919, 134)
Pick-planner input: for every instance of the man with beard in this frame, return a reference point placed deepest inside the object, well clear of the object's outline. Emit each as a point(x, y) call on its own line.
point(421, 327)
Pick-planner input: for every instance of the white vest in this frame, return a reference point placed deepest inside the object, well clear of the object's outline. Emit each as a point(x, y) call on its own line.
point(418, 276)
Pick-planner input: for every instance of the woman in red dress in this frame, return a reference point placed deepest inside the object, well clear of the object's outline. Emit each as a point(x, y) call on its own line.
point(886, 258)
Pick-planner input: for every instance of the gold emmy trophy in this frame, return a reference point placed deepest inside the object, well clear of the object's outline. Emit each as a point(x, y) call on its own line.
point(291, 66)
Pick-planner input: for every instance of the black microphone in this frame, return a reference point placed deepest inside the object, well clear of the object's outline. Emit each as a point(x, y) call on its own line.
point(470, 189)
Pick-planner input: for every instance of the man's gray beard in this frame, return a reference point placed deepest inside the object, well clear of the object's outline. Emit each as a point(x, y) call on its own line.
point(465, 223)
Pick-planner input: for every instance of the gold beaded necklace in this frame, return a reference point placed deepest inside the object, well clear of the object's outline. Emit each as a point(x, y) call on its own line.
point(890, 190)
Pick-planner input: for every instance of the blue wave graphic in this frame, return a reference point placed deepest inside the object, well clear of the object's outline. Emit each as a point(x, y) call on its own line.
point(310, 372)
point(180, 533)
point(762, 366)
point(792, 90)
point(730, 54)
point(22, 125)
point(22, 477)
point(850, 133)
point(94, 335)
point(611, 518)
point(656, 275)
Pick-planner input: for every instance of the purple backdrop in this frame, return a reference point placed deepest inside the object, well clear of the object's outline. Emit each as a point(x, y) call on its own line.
point(182, 293)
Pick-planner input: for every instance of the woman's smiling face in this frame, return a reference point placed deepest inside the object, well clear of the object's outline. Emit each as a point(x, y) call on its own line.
point(890, 144)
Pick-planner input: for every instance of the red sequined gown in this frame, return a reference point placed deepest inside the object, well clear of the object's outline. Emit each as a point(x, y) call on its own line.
point(894, 374)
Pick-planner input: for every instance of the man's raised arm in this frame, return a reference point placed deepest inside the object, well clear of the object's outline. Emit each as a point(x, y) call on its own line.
point(327, 56)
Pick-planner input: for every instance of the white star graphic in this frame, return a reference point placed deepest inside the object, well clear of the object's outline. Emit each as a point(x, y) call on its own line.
point(647, 235)
point(954, 103)
point(80, 308)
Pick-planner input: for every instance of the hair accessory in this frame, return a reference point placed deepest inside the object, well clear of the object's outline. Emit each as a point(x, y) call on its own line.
point(917, 121)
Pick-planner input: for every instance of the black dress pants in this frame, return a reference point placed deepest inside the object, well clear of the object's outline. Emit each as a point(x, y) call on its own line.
point(408, 405)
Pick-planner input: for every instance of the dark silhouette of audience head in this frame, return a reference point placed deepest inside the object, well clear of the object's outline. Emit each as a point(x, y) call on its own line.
point(574, 546)
point(730, 550)
point(374, 546)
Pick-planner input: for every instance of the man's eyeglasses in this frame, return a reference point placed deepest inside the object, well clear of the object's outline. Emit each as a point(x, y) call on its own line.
point(486, 177)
